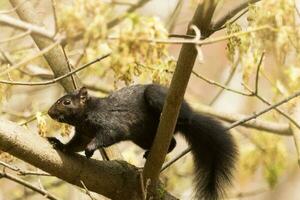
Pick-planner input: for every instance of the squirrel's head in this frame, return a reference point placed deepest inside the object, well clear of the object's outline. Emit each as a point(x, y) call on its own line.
point(70, 107)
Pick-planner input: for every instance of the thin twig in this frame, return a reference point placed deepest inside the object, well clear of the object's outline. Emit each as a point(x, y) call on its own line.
point(53, 4)
point(249, 193)
point(231, 13)
point(257, 72)
point(30, 58)
point(6, 56)
point(235, 19)
point(45, 193)
point(297, 10)
point(16, 23)
point(81, 56)
point(86, 190)
point(143, 189)
point(204, 79)
point(270, 107)
point(23, 172)
point(181, 36)
point(31, 119)
point(16, 37)
point(172, 18)
point(55, 79)
point(122, 3)
point(263, 125)
point(131, 9)
point(13, 9)
point(253, 141)
point(49, 186)
point(293, 121)
point(106, 89)
point(69, 67)
point(229, 78)
point(220, 85)
point(200, 42)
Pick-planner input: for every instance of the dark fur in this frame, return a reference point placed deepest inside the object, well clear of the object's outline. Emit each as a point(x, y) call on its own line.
point(133, 113)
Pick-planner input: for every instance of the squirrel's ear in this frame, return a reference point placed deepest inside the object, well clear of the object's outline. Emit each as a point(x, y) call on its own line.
point(83, 94)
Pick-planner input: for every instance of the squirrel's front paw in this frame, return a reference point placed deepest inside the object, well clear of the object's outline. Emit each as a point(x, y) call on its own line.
point(56, 143)
point(90, 148)
point(146, 154)
point(89, 152)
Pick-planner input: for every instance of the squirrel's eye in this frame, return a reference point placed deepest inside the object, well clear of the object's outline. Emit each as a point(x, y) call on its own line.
point(66, 102)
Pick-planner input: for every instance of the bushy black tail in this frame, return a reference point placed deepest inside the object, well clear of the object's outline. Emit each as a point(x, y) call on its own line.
point(213, 148)
point(214, 154)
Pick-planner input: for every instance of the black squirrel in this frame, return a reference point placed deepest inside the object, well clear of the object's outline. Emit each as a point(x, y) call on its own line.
point(133, 113)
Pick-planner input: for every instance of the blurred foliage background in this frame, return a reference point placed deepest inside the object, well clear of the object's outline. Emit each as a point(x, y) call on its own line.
point(267, 168)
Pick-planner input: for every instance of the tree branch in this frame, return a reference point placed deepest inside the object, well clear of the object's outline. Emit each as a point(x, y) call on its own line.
point(16, 37)
point(199, 42)
point(113, 179)
point(55, 79)
point(30, 58)
point(40, 31)
point(28, 185)
point(174, 97)
point(217, 24)
point(131, 9)
point(21, 171)
point(55, 57)
point(12, 9)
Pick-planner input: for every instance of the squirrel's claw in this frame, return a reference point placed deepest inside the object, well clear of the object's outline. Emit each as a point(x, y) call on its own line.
point(88, 153)
point(146, 154)
point(55, 143)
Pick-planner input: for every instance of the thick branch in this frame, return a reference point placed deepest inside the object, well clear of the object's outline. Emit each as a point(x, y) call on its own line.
point(114, 179)
point(203, 20)
point(174, 97)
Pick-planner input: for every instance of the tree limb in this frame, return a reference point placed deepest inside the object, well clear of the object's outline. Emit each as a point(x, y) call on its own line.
point(16, 37)
point(174, 97)
point(55, 57)
point(114, 179)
